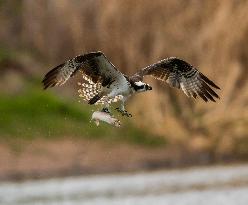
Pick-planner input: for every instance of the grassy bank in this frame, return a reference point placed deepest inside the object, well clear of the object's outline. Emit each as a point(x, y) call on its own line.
point(34, 113)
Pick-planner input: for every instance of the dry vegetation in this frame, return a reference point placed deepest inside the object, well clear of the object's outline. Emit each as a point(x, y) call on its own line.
point(212, 35)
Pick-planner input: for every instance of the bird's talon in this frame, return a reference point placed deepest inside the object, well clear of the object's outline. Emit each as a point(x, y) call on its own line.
point(123, 112)
point(106, 110)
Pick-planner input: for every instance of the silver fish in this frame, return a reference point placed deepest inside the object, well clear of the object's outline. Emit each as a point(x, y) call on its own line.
point(98, 116)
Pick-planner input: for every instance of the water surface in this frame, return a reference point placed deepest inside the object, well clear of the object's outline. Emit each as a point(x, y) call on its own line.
point(209, 185)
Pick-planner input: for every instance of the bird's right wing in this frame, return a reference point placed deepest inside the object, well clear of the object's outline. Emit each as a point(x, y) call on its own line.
point(93, 65)
point(180, 74)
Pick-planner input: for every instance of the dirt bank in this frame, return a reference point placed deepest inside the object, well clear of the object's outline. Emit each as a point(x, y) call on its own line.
point(46, 158)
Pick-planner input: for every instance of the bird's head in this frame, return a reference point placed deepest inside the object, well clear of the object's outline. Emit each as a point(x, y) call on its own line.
point(141, 86)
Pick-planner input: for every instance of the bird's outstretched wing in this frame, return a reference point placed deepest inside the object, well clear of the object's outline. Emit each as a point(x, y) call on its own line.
point(94, 65)
point(180, 74)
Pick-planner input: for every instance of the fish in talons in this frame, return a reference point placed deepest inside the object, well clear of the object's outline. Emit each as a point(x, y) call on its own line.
point(98, 116)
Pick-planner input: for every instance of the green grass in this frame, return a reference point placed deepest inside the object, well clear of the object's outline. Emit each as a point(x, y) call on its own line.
point(35, 113)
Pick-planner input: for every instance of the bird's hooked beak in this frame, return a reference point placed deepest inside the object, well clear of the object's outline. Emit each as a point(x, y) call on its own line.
point(148, 87)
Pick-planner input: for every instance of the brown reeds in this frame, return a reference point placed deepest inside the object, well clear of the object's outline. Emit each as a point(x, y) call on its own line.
point(212, 35)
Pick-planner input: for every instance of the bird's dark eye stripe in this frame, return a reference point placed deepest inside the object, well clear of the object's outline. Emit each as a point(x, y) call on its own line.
point(136, 87)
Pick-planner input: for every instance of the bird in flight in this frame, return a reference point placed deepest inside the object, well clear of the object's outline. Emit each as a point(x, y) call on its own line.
point(105, 84)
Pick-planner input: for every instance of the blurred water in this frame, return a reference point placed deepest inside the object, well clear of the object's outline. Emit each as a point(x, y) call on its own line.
point(211, 185)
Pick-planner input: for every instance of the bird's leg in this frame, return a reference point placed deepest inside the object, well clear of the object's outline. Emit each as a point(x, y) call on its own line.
point(122, 109)
point(106, 107)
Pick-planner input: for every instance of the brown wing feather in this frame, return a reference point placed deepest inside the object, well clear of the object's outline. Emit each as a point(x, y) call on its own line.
point(180, 74)
point(95, 65)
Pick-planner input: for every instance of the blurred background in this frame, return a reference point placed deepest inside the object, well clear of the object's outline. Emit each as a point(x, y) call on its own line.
point(47, 134)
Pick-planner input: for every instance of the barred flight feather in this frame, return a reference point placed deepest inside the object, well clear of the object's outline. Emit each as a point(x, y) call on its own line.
point(89, 89)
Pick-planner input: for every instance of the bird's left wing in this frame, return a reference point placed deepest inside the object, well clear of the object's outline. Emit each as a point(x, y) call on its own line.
point(94, 66)
point(180, 74)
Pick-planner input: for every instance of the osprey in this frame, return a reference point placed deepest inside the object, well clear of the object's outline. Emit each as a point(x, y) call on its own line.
point(106, 84)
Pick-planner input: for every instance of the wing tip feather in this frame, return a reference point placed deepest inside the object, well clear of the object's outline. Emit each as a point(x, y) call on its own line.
point(50, 78)
point(208, 81)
